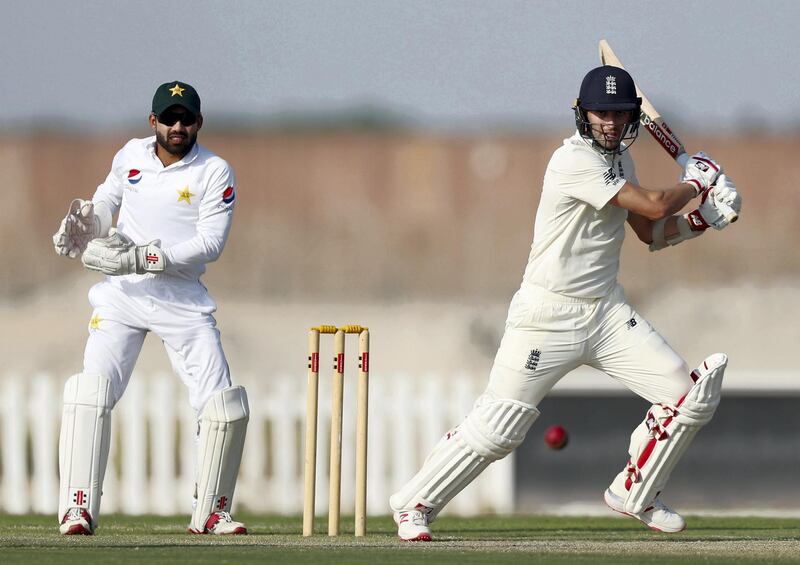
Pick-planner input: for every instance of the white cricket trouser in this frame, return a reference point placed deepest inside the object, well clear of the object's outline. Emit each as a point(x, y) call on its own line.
point(548, 335)
point(120, 322)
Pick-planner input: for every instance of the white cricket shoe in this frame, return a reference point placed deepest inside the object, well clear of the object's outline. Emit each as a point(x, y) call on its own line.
point(221, 524)
point(657, 516)
point(76, 522)
point(412, 525)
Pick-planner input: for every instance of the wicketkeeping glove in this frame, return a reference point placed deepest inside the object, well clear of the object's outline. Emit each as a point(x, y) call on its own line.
point(77, 229)
point(701, 171)
point(117, 254)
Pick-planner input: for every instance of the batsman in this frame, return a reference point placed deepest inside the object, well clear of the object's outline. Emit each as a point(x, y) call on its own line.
point(175, 201)
point(571, 311)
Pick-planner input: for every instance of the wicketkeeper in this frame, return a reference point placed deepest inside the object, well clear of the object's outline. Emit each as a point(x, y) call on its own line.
point(571, 311)
point(175, 200)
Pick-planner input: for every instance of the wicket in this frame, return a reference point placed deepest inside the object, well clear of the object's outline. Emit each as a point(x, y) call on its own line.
point(337, 408)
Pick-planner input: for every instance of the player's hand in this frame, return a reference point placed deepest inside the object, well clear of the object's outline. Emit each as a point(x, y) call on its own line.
point(725, 194)
point(713, 213)
point(117, 254)
point(77, 229)
point(701, 171)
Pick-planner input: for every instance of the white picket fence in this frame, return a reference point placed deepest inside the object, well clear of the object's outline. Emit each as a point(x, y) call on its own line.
point(151, 465)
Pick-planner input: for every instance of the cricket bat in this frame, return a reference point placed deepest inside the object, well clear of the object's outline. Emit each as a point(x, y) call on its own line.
point(655, 124)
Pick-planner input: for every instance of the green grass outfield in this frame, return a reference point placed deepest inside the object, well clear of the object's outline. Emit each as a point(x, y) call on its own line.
point(523, 539)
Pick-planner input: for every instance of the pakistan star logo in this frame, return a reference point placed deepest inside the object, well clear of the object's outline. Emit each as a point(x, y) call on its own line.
point(94, 323)
point(177, 90)
point(185, 195)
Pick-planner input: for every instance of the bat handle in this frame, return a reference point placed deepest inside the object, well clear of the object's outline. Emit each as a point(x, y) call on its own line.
point(729, 213)
point(682, 159)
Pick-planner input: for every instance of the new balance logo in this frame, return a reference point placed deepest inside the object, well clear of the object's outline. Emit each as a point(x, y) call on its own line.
point(695, 221)
point(533, 360)
point(609, 176)
point(611, 84)
point(631, 323)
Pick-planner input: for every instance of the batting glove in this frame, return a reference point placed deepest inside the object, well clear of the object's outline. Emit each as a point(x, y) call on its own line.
point(725, 194)
point(714, 213)
point(701, 172)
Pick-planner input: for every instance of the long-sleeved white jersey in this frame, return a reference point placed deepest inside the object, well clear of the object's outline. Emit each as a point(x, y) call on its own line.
point(187, 207)
point(578, 235)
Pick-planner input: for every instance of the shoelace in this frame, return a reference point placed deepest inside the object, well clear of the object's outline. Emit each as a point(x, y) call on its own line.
point(74, 514)
point(658, 505)
point(224, 516)
point(418, 519)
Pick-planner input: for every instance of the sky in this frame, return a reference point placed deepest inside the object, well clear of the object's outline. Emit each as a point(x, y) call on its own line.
point(436, 64)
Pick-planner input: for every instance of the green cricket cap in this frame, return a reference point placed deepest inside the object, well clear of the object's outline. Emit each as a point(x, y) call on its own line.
point(176, 93)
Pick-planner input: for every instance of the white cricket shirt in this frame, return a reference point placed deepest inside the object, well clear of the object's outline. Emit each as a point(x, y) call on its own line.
point(578, 235)
point(187, 206)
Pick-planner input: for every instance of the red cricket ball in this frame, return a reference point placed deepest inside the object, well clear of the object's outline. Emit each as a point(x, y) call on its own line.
point(556, 437)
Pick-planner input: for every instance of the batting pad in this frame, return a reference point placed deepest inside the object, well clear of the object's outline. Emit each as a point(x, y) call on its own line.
point(223, 423)
point(492, 430)
point(658, 443)
point(84, 443)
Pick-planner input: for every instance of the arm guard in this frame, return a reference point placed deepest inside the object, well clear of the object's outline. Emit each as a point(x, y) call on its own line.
point(684, 232)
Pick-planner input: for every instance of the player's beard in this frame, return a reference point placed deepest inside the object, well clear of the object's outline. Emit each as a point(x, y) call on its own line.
point(177, 149)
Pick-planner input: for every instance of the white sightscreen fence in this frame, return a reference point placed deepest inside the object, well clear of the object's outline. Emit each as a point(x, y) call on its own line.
point(151, 465)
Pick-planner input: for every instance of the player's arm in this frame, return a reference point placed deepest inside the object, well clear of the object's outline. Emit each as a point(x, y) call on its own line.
point(699, 174)
point(653, 204)
point(213, 224)
point(118, 255)
point(713, 211)
point(643, 227)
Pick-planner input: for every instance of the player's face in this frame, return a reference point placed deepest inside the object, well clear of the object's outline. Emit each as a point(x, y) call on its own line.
point(608, 126)
point(176, 129)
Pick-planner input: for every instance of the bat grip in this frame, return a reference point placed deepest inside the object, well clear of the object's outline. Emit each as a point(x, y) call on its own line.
point(729, 213)
point(682, 159)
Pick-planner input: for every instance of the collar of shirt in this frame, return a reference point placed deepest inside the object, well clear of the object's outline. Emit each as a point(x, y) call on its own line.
point(582, 141)
point(188, 158)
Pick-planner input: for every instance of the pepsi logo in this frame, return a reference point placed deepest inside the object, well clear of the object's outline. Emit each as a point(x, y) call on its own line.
point(229, 195)
point(134, 176)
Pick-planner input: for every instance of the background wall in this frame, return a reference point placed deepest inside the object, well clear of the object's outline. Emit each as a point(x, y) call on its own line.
point(424, 235)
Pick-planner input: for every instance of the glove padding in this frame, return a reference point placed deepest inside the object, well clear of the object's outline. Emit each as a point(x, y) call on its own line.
point(77, 229)
point(701, 171)
point(715, 208)
point(117, 254)
point(725, 194)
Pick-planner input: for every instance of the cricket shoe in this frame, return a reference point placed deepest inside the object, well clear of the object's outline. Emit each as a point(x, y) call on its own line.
point(221, 524)
point(412, 525)
point(657, 516)
point(76, 522)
